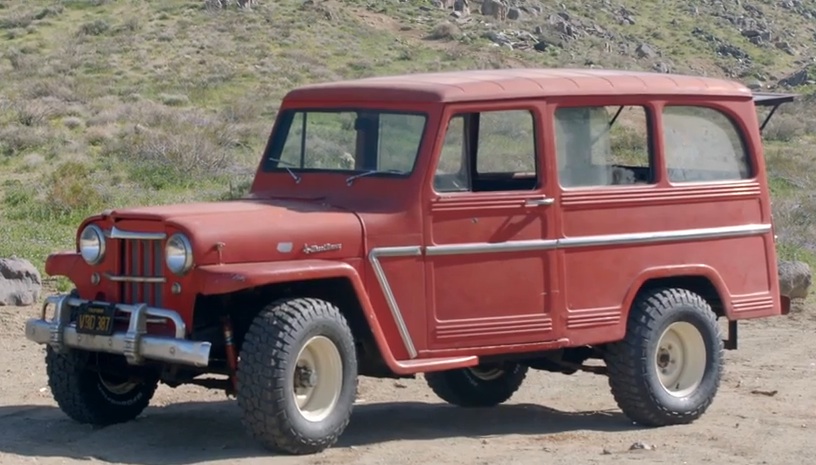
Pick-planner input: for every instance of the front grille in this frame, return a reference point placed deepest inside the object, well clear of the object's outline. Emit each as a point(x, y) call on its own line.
point(141, 272)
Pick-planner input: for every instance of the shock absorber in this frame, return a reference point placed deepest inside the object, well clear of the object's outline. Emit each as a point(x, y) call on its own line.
point(232, 356)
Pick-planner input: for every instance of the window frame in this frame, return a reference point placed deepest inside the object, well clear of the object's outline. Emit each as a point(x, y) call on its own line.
point(538, 117)
point(280, 133)
point(653, 140)
point(737, 124)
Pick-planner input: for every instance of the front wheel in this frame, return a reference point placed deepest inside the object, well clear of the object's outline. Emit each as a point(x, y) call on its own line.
point(667, 369)
point(482, 386)
point(297, 376)
point(89, 396)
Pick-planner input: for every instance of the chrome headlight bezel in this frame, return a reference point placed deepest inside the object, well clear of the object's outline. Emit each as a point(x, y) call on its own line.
point(178, 254)
point(91, 244)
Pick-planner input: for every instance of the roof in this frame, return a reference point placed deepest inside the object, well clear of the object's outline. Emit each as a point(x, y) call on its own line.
point(475, 85)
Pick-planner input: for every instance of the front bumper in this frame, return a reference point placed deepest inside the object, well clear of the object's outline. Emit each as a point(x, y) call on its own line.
point(135, 344)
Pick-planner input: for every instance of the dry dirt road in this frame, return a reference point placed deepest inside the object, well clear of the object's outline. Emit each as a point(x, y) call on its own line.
point(554, 419)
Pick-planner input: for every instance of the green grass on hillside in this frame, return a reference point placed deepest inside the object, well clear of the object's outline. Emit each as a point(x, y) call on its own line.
point(115, 103)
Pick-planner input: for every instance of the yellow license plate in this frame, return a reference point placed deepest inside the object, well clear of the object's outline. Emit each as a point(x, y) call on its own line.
point(93, 319)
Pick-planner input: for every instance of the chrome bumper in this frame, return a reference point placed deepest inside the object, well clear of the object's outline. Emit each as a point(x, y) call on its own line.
point(135, 344)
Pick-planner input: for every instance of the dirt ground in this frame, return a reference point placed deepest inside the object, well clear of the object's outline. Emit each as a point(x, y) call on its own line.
point(553, 419)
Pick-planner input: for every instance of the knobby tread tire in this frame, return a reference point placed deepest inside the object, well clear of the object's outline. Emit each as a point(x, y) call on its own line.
point(80, 394)
point(460, 387)
point(267, 357)
point(632, 379)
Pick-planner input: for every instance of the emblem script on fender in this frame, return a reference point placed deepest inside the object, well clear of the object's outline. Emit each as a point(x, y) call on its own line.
point(321, 248)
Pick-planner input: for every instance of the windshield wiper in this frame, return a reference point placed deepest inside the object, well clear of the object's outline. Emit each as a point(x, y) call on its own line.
point(285, 163)
point(351, 179)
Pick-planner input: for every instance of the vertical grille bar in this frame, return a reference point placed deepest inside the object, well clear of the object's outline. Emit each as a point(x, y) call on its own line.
point(134, 269)
point(147, 265)
point(141, 258)
point(158, 267)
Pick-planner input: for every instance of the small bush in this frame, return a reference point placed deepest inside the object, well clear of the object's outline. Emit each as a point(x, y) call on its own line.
point(15, 21)
point(32, 113)
point(15, 139)
point(94, 28)
point(237, 190)
point(72, 122)
point(445, 31)
point(172, 100)
point(54, 10)
point(70, 190)
point(784, 128)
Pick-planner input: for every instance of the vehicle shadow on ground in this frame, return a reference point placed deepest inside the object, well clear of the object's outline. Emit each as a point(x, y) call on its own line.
point(187, 433)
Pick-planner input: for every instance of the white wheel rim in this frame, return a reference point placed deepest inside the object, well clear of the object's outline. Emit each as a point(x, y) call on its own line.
point(318, 378)
point(119, 389)
point(487, 374)
point(680, 359)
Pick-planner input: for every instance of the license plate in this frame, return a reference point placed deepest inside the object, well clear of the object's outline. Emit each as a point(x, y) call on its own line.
point(95, 319)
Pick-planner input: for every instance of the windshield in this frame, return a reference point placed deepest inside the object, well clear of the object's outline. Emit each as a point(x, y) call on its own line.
point(377, 143)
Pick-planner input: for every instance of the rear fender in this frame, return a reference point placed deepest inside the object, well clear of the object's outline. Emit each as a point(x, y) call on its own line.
point(224, 279)
point(703, 271)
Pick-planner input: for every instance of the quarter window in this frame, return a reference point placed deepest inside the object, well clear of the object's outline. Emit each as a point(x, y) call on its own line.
point(702, 144)
point(603, 146)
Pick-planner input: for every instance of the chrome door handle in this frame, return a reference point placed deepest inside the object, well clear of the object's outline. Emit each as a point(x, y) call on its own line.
point(539, 202)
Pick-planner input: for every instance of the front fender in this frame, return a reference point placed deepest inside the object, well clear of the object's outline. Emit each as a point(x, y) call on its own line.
point(66, 264)
point(223, 279)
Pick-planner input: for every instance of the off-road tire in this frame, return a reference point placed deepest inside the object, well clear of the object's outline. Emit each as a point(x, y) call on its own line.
point(266, 375)
point(462, 387)
point(633, 374)
point(81, 394)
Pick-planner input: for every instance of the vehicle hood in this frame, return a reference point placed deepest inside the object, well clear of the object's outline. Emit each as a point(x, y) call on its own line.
point(245, 231)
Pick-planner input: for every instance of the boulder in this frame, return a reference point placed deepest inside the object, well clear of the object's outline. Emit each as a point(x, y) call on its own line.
point(794, 279)
point(20, 282)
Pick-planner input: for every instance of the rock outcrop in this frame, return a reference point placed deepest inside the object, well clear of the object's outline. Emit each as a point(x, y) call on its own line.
point(20, 282)
point(794, 279)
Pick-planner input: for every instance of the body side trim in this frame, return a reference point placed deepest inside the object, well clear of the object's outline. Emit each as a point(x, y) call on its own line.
point(374, 258)
point(533, 245)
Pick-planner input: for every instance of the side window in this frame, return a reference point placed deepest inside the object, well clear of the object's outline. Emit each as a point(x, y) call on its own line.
point(603, 146)
point(488, 151)
point(452, 174)
point(702, 144)
point(506, 143)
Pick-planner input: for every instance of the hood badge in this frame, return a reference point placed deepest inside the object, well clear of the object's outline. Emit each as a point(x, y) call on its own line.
point(308, 249)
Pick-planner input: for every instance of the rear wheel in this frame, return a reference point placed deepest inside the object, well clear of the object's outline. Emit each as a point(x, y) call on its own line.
point(297, 376)
point(668, 368)
point(89, 396)
point(480, 386)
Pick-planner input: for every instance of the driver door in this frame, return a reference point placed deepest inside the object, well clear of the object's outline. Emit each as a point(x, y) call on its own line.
point(490, 236)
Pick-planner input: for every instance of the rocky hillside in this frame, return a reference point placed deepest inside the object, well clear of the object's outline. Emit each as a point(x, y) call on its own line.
point(109, 103)
point(763, 43)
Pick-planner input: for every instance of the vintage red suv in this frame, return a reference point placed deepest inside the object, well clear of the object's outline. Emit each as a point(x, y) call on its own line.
point(466, 225)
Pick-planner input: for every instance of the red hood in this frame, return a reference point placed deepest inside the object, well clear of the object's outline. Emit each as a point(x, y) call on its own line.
point(254, 230)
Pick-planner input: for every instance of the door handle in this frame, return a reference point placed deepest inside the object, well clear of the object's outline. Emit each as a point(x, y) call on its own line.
point(539, 202)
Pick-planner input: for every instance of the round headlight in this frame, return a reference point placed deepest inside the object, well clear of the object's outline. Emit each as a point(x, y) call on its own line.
point(179, 254)
point(92, 244)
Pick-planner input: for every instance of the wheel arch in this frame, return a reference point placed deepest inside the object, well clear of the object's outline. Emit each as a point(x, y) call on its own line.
point(246, 289)
point(701, 279)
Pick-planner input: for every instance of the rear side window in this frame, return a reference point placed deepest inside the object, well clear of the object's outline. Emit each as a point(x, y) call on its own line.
point(702, 145)
point(603, 146)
